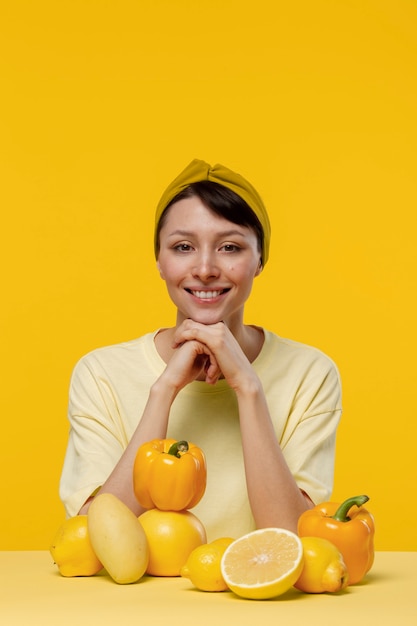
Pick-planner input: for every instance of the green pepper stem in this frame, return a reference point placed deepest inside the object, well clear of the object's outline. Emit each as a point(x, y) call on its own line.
point(178, 448)
point(341, 514)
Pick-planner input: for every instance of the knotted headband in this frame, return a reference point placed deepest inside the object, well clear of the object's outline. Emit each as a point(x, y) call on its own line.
point(199, 170)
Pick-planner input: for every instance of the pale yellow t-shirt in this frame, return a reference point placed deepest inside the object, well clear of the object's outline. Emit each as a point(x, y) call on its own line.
point(108, 393)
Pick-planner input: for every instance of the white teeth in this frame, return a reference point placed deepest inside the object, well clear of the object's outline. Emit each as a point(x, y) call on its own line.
point(206, 295)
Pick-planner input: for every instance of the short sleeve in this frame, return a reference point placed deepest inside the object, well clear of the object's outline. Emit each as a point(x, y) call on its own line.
point(309, 439)
point(96, 439)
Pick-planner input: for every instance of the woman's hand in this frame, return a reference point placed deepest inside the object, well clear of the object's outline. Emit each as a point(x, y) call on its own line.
point(191, 360)
point(223, 354)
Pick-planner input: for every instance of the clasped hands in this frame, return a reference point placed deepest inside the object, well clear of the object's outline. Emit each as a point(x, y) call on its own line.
point(206, 352)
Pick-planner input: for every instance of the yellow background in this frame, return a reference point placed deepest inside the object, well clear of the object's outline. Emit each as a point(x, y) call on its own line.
point(103, 103)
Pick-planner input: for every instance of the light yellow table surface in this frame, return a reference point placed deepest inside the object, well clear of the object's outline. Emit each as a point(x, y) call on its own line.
point(33, 592)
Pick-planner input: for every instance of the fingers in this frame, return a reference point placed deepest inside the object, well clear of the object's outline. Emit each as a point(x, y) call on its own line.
point(189, 330)
point(222, 348)
point(212, 371)
point(193, 360)
point(211, 367)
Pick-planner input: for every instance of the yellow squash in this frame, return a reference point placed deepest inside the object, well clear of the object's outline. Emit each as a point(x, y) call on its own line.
point(118, 538)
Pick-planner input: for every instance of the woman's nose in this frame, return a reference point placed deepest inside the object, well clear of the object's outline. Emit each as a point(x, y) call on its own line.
point(205, 266)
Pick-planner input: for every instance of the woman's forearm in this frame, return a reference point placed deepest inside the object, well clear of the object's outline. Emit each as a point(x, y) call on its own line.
point(274, 496)
point(153, 425)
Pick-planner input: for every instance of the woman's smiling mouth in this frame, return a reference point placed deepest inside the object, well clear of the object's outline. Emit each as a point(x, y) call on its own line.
point(207, 294)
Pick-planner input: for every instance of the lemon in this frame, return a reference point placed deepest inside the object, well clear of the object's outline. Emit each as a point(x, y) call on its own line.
point(203, 565)
point(263, 564)
point(324, 568)
point(72, 551)
point(172, 536)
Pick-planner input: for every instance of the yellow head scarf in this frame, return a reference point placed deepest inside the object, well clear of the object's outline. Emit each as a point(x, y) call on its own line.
point(200, 170)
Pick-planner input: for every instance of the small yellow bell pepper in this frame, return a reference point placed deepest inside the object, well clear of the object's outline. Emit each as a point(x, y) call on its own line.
point(169, 475)
point(349, 527)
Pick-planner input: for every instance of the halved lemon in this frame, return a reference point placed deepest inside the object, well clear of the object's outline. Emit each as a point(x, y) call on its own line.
point(263, 564)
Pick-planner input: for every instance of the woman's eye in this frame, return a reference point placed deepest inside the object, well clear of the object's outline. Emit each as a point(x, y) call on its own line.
point(182, 247)
point(230, 247)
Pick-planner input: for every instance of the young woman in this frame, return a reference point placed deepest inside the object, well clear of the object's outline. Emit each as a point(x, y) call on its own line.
point(264, 409)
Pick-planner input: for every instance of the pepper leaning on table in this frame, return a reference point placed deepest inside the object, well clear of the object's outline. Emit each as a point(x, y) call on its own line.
point(349, 526)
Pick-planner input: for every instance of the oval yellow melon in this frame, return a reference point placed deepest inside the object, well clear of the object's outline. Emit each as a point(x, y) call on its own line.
point(118, 538)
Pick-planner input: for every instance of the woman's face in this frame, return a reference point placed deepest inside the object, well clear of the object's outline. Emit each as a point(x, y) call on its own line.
point(207, 262)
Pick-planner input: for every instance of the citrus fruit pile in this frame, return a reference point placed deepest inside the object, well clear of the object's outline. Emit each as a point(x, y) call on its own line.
point(266, 563)
point(262, 564)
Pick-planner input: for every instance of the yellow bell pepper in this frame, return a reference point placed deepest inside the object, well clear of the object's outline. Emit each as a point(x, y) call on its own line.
point(349, 527)
point(169, 475)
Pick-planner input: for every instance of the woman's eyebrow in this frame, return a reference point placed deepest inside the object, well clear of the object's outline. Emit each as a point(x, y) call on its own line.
point(190, 233)
point(181, 233)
